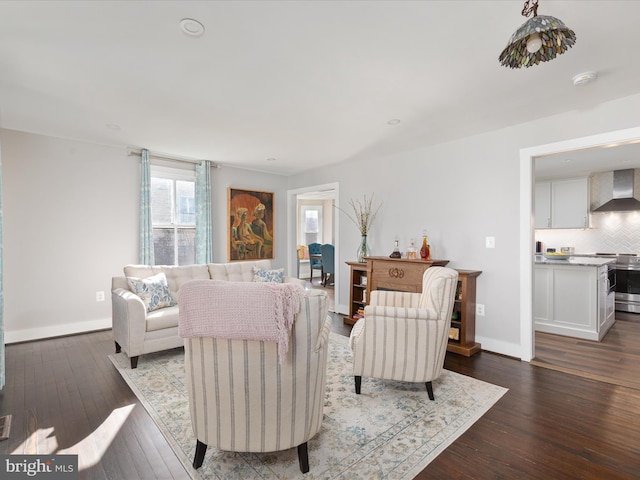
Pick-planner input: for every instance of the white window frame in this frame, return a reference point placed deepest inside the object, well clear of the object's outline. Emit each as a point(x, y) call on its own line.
point(174, 174)
point(302, 233)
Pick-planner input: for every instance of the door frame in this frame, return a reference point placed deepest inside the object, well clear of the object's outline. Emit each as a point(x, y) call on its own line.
point(527, 218)
point(292, 220)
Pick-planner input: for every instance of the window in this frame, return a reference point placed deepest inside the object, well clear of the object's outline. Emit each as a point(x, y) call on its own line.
point(173, 213)
point(311, 224)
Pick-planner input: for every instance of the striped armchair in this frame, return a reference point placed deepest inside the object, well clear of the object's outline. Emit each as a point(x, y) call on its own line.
point(242, 398)
point(403, 336)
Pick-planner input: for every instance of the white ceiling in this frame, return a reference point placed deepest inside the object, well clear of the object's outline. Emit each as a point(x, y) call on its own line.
point(584, 162)
point(303, 83)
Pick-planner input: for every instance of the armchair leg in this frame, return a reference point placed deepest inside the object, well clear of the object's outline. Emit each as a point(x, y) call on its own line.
point(118, 348)
point(303, 457)
point(201, 449)
point(430, 390)
point(134, 362)
point(358, 380)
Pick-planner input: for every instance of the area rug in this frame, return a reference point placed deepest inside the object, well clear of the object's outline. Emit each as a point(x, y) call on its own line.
point(391, 431)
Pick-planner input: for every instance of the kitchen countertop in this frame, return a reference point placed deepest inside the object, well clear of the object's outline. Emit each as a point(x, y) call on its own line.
point(576, 260)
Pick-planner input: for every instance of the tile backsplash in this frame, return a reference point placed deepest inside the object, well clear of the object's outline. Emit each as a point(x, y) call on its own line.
point(616, 232)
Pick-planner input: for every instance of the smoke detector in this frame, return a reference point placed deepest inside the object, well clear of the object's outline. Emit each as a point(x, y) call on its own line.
point(191, 27)
point(584, 78)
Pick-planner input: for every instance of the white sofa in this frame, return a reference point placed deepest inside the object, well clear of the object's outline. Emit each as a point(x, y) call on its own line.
point(137, 331)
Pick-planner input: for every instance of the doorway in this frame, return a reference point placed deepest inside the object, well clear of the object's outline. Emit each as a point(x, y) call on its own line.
point(527, 230)
point(311, 218)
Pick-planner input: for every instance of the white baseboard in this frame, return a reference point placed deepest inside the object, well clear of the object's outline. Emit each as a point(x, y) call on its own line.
point(497, 346)
point(14, 336)
point(342, 309)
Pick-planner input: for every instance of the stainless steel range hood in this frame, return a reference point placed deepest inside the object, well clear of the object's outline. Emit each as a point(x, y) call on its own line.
point(623, 200)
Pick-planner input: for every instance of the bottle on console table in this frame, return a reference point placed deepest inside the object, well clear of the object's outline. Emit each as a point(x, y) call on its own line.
point(412, 251)
point(396, 251)
point(425, 250)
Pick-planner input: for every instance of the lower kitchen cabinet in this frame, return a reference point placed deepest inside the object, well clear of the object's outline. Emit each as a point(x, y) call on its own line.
point(573, 300)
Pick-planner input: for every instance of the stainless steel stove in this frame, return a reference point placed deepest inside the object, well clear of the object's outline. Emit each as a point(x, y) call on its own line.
point(627, 281)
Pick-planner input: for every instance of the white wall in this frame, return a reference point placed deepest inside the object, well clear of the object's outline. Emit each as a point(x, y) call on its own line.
point(71, 223)
point(461, 192)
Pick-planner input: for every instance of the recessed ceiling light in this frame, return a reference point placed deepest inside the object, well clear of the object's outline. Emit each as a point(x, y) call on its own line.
point(584, 78)
point(191, 27)
point(394, 121)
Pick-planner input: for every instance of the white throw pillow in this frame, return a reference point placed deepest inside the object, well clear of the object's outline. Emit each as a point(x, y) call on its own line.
point(154, 291)
point(273, 276)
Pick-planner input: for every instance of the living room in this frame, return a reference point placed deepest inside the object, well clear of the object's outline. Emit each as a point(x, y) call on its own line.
point(70, 204)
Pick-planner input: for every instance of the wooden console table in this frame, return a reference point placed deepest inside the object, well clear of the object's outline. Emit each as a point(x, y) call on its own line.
point(405, 275)
point(401, 274)
point(465, 323)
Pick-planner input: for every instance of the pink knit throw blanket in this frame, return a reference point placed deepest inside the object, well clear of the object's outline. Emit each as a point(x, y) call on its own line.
point(240, 311)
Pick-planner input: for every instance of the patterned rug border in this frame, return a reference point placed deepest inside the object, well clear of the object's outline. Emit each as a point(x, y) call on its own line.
point(419, 462)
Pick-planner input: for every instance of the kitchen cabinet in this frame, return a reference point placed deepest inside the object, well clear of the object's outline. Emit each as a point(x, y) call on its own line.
point(573, 299)
point(543, 204)
point(562, 203)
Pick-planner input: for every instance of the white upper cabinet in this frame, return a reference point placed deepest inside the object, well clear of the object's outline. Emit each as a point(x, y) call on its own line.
point(543, 204)
point(562, 203)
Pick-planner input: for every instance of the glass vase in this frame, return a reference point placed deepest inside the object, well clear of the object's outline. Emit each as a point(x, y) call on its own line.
point(363, 249)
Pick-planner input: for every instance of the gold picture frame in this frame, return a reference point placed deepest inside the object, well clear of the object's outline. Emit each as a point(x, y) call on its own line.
point(251, 225)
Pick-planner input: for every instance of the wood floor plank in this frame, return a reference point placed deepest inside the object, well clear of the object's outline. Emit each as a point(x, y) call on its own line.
point(616, 359)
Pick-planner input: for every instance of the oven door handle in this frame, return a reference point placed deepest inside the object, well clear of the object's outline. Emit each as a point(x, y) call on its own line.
point(627, 267)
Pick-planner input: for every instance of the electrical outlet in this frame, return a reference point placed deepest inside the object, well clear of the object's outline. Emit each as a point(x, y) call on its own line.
point(490, 242)
point(480, 309)
point(99, 296)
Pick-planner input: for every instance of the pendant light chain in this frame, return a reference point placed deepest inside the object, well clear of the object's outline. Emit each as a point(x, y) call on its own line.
point(530, 6)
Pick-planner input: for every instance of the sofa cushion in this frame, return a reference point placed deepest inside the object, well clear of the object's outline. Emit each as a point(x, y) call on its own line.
point(176, 275)
point(272, 276)
point(163, 318)
point(153, 291)
point(236, 271)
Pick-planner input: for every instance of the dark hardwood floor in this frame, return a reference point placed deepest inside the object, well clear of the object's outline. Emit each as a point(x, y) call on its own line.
point(616, 359)
point(65, 395)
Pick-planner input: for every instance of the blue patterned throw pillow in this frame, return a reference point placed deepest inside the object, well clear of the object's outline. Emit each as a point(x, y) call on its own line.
point(262, 275)
point(153, 291)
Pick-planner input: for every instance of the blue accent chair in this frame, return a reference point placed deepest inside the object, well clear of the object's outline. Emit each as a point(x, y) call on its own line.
point(315, 263)
point(328, 262)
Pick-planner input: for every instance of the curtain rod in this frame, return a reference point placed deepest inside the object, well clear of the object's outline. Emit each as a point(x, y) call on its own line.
point(138, 153)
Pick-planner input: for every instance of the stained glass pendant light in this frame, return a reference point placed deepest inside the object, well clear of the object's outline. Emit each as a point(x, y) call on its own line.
point(539, 39)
